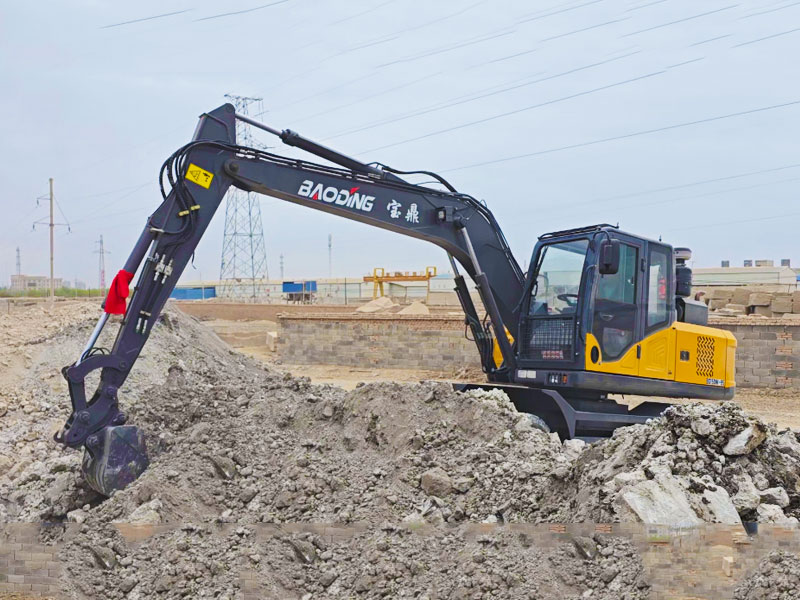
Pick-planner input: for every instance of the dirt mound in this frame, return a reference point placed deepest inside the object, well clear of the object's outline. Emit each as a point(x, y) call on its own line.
point(696, 463)
point(204, 561)
point(38, 479)
point(777, 578)
point(415, 308)
point(270, 448)
point(382, 304)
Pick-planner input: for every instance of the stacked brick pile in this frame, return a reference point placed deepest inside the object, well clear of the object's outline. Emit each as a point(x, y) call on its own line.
point(746, 301)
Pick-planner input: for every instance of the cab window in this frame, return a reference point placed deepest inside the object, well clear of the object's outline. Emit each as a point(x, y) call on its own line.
point(558, 281)
point(615, 308)
point(658, 292)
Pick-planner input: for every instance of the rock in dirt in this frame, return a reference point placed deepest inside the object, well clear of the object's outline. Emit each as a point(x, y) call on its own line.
point(436, 482)
point(746, 441)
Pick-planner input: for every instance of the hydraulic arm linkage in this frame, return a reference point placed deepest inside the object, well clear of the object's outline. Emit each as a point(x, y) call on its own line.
point(199, 174)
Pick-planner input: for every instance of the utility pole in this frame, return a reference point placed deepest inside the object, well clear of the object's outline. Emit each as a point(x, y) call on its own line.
point(330, 255)
point(102, 263)
point(52, 225)
point(52, 246)
point(281, 267)
point(19, 263)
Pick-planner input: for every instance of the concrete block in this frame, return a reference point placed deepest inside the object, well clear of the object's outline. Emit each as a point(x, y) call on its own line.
point(717, 303)
point(760, 310)
point(760, 299)
point(741, 296)
point(781, 305)
point(721, 294)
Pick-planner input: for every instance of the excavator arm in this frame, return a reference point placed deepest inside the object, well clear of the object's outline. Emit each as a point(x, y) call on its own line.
point(198, 176)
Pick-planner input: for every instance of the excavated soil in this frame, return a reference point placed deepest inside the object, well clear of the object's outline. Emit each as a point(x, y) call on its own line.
point(235, 443)
point(777, 578)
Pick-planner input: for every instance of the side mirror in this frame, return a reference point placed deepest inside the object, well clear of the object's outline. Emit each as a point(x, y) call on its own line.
point(609, 257)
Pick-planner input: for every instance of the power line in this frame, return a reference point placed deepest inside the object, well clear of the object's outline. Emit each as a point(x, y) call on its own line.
point(645, 5)
point(517, 111)
point(558, 12)
point(748, 220)
point(241, 12)
point(365, 98)
point(703, 195)
point(363, 12)
point(685, 185)
point(714, 39)
point(705, 14)
point(477, 40)
point(481, 95)
point(769, 37)
point(625, 136)
point(177, 12)
point(771, 10)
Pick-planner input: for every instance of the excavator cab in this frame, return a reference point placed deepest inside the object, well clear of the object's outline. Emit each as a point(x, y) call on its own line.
point(605, 311)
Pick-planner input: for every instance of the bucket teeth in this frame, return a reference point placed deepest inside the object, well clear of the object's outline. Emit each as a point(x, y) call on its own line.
point(114, 457)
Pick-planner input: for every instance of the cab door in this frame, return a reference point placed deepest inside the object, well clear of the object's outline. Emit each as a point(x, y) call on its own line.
point(657, 355)
point(617, 314)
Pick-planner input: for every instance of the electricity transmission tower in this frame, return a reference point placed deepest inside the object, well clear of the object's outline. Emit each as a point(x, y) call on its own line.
point(19, 263)
point(243, 269)
point(102, 263)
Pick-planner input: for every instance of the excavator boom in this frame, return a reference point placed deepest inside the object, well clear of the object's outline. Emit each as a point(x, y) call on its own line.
point(599, 311)
point(199, 174)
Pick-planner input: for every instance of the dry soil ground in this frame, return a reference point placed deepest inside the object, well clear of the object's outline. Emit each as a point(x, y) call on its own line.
point(781, 407)
point(237, 442)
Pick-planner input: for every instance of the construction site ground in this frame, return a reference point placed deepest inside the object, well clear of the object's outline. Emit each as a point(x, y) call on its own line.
point(779, 406)
point(433, 494)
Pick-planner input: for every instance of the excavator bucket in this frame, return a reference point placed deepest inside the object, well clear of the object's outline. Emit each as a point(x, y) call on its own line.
point(114, 457)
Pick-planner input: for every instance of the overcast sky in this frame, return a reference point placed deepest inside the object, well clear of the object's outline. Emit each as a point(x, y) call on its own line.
point(675, 118)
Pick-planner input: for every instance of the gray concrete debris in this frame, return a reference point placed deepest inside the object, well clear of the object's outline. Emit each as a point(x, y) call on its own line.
point(746, 441)
point(776, 578)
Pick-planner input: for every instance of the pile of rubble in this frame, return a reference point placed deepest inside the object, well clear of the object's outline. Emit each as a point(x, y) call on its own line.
point(777, 578)
point(738, 302)
point(696, 463)
point(234, 443)
point(203, 561)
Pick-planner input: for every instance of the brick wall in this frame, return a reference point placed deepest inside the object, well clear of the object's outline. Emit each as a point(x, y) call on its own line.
point(389, 341)
point(26, 566)
point(768, 353)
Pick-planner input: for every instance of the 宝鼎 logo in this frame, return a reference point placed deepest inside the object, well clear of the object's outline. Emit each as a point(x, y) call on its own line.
point(332, 195)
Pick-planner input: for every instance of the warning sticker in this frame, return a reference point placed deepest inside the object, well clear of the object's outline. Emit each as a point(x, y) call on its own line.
point(199, 176)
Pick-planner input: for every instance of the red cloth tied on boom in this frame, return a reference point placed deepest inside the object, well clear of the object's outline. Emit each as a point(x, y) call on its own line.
point(119, 290)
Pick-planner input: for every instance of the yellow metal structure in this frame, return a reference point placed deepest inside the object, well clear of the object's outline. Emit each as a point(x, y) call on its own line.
point(497, 354)
point(682, 352)
point(380, 276)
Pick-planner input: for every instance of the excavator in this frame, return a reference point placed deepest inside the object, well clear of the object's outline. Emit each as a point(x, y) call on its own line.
point(599, 311)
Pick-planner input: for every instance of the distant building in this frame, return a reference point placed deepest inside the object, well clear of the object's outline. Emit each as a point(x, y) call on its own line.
point(776, 279)
point(28, 283)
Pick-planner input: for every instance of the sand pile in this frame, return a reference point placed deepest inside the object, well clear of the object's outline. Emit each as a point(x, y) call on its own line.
point(777, 578)
point(378, 305)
